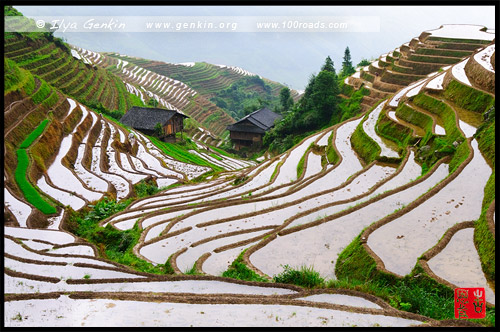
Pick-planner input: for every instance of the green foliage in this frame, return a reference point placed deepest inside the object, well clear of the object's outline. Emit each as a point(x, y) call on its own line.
point(467, 97)
point(11, 11)
point(304, 277)
point(223, 152)
point(461, 153)
point(366, 148)
point(459, 40)
point(34, 134)
point(331, 154)
point(364, 63)
point(181, 153)
point(51, 100)
point(300, 164)
point(42, 93)
point(14, 77)
point(328, 65)
point(135, 100)
point(442, 110)
point(367, 76)
point(351, 107)
point(144, 189)
point(441, 52)
point(417, 292)
point(285, 100)
point(393, 131)
point(158, 129)
point(100, 108)
point(113, 244)
point(239, 180)
point(238, 270)
point(318, 108)
point(347, 67)
point(30, 193)
point(485, 135)
point(152, 102)
point(416, 118)
point(245, 96)
point(483, 238)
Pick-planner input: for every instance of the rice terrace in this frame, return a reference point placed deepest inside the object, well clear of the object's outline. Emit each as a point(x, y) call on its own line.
point(367, 199)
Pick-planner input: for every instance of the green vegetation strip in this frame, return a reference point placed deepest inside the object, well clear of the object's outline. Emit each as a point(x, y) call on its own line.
point(393, 131)
point(34, 134)
point(182, 154)
point(366, 148)
point(445, 112)
point(484, 239)
point(30, 193)
point(42, 93)
point(16, 78)
point(238, 270)
point(331, 154)
point(468, 98)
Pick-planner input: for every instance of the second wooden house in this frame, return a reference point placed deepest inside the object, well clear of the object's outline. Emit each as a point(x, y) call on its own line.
point(249, 131)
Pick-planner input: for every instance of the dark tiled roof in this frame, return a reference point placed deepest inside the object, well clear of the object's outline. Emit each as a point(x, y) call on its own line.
point(146, 117)
point(257, 122)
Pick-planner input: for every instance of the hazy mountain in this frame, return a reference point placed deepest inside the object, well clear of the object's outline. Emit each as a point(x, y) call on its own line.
point(283, 57)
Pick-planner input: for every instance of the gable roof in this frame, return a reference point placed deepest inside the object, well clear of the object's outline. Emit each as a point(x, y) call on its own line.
point(146, 117)
point(259, 121)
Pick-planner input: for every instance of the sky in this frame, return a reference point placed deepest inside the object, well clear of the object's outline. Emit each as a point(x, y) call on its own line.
point(285, 57)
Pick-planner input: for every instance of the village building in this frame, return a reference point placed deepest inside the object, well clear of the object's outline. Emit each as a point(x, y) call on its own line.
point(146, 119)
point(249, 131)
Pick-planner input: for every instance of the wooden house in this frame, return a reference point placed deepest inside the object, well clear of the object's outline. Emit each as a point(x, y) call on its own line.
point(249, 131)
point(145, 119)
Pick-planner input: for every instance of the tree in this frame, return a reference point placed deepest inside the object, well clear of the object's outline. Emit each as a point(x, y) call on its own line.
point(328, 66)
point(286, 100)
point(159, 130)
point(152, 102)
point(347, 68)
point(325, 96)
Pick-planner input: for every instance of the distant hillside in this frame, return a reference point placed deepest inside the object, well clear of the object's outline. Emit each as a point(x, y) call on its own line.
point(52, 60)
point(233, 89)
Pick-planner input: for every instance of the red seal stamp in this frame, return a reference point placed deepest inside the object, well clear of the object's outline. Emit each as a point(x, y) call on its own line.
point(470, 303)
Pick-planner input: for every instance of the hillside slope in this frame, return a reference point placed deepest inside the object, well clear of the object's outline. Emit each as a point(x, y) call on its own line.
point(414, 60)
point(392, 209)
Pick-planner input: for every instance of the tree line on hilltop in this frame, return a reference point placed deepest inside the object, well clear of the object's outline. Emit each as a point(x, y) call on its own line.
point(320, 106)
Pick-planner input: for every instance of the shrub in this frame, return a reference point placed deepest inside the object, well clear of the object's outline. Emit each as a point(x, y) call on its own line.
point(143, 189)
point(305, 277)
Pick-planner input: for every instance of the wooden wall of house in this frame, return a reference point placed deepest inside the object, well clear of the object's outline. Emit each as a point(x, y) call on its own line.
point(174, 125)
point(238, 135)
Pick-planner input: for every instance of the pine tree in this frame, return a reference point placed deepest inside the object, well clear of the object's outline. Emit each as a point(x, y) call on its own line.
point(286, 100)
point(328, 66)
point(347, 67)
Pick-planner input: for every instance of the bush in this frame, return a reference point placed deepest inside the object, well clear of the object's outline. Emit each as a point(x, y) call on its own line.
point(238, 270)
point(144, 189)
point(305, 277)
